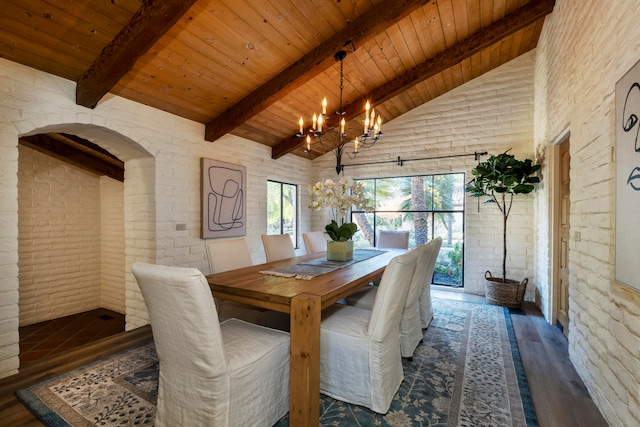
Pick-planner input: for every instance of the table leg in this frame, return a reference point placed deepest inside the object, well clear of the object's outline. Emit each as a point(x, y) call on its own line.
point(304, 382)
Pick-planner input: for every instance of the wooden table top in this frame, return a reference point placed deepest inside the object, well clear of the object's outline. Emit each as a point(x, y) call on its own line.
point(250, 286)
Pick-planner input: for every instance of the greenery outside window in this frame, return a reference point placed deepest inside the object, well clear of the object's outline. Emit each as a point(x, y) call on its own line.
point(282, 209)
point(427, 206)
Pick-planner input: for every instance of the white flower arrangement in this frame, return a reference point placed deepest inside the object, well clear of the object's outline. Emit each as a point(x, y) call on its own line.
point(339, 196)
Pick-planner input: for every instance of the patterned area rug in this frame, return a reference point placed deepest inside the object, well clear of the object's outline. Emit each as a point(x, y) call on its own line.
point(467, 372)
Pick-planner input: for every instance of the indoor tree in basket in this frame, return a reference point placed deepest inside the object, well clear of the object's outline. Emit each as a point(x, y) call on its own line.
point(339, 196)
point(500, 177)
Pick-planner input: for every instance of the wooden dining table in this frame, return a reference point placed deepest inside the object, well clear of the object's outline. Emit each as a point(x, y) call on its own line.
point(304, 300)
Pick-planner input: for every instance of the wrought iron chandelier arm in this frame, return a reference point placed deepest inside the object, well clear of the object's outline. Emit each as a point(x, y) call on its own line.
point(336, 137)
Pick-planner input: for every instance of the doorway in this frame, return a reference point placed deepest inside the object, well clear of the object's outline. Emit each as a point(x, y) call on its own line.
point(561, 234)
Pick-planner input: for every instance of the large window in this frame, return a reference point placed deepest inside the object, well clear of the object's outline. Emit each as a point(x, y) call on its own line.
point(427, 206)
point(282, 209)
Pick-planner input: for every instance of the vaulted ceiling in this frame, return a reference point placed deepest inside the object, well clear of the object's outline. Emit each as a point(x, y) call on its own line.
point(253, 67)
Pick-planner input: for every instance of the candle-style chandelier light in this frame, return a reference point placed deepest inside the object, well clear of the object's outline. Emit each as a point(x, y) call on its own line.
point(335, 136)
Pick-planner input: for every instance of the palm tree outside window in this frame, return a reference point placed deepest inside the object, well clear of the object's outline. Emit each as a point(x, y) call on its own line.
point(427, 206)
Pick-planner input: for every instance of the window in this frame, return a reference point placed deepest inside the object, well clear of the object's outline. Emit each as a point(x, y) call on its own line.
point(427, 206)
point(282, 209)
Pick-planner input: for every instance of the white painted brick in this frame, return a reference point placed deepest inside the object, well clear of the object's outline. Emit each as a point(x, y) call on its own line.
point(574, 88)
point(65, 243)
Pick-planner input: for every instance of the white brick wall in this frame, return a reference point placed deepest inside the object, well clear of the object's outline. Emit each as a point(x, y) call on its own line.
point(59, 238)
point(582, 53)
point(112, 244)
point(492, 113)
point(9, 349)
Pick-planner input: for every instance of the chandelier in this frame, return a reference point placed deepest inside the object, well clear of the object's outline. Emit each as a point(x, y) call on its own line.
point(335, 136)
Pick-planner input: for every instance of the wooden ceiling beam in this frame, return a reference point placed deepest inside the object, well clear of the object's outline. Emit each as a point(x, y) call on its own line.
point(70, 154)
point(150, 22)
point(365, 27)
point(473, 44)
point(88, 147)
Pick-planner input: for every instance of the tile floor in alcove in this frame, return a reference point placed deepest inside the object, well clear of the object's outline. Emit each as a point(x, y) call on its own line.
point(54, 336)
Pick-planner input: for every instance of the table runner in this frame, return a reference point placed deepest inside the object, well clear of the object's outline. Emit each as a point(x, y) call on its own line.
point(307, 270)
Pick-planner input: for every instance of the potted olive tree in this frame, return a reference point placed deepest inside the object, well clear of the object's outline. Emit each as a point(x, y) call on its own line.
point(499, 178)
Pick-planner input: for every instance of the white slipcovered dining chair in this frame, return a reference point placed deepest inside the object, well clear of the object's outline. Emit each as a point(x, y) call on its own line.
point(278, 246)
point(393, 239)
point(424, 302)
point(314, 241)
point(225, 255)
point(225, 374)
point(410, 325)
point(360, 360)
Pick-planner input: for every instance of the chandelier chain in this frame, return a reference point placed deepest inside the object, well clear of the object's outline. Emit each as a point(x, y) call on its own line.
point(341, 87)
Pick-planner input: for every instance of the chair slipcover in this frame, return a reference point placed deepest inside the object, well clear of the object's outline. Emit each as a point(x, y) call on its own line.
point(314, 241)
point(225, 255)
point(426, 310)
point(278, 246)
point(393, 239)
point(410, 325)
point(360, 360)
point(224, 374)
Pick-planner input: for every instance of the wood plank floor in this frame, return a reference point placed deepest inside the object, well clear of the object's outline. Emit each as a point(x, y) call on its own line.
point(559, 396)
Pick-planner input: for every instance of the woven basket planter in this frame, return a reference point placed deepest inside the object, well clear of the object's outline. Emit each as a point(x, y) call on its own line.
point(507, 294)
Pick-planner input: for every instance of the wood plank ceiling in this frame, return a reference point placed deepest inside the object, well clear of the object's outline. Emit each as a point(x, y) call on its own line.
point(253, 67)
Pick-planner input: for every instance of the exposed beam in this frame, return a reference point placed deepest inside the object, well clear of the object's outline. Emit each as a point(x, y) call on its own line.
point(88, 147)
point(75, 156)
point(365, 27)
point(473, 44)
point(150, 22)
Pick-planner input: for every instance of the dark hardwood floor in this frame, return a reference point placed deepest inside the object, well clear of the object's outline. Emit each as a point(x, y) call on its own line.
point(559, 396)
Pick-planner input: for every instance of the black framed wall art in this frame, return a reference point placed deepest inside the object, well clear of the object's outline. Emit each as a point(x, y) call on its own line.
point(223, 199)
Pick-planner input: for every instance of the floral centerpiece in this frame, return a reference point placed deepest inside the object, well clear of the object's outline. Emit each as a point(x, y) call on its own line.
point(340, 197)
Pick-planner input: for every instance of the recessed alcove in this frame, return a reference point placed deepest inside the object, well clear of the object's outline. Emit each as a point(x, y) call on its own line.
point(72, 244)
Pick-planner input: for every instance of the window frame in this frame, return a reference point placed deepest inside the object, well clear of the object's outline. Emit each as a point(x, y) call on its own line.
point(431, 211)
point(295, 217)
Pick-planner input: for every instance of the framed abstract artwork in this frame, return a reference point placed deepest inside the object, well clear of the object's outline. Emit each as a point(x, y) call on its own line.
point(223, 199)
point(627, 193)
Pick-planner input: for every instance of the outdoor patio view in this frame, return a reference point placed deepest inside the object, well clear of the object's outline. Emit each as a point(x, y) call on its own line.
point(427, 206)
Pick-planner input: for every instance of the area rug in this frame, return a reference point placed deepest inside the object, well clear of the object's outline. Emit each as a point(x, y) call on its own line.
point(466, 372)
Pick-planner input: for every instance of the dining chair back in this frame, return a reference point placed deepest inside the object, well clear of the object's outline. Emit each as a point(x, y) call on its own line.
point(228, 374)
point(424, 301)
point(393, 239)
point(314, 241)
point(360, 360)
point(410, 325)
point(278, 246)
point(227, 255)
